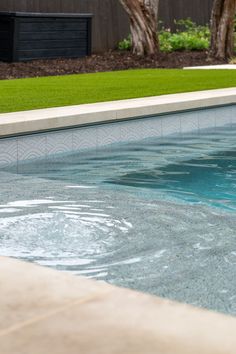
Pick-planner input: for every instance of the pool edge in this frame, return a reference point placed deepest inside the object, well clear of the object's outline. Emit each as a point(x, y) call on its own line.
point(44, 308)
point(30, 122)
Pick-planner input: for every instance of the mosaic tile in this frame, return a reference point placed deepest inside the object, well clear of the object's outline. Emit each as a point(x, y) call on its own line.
point(131, 131)
point(152, 127)
point(233, 114)
point(59, 142)
point(31, 147)
point(84, 138)
point(108, 134)
point(223, 116)
point(189, 122)
point(171, 124)
point(8, 151)
point(206, 119)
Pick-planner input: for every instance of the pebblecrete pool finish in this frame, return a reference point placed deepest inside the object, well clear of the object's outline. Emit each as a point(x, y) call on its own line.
point(156, 215)
point(21, 146)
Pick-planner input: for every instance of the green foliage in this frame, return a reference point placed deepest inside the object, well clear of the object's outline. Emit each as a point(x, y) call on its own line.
point(188, 36)
point(125, 44)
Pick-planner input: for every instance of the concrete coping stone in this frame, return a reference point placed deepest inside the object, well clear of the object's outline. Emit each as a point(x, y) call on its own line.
point(45, 311)
point(27, 122)
point(212, 67)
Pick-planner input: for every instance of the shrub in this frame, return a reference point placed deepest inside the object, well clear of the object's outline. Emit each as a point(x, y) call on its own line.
point(125, 44)
point(188, 36)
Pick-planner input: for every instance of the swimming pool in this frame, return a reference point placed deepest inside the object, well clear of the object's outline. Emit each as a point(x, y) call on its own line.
point(157, 215)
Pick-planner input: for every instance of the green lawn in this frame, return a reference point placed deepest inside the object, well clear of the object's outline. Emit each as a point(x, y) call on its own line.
point(25, 94)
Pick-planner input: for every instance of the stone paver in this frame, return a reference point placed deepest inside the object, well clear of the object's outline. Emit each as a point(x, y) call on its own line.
point(210, 67)
point(29, 291)
point(112, 321)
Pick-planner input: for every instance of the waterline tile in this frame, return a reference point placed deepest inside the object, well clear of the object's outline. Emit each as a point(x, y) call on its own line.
point(41, 145)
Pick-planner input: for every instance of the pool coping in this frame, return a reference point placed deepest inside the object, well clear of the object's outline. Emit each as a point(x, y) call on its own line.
point(42, 120)
point(44, 309)
point(212, 67)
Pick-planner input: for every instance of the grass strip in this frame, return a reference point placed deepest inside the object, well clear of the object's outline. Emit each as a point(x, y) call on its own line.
point(55, 91)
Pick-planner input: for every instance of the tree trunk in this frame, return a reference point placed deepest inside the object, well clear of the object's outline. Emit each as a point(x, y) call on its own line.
point(143, 16)
point(222, 29)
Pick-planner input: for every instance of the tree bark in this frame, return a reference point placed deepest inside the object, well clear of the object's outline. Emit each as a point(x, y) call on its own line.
point(222, 29)
point(143, 16)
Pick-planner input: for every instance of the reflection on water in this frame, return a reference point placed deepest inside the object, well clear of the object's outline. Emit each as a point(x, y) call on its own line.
point(157, 215)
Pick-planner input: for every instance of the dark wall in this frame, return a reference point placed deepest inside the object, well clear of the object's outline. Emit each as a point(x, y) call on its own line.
point(198, 10)
point(110, 23)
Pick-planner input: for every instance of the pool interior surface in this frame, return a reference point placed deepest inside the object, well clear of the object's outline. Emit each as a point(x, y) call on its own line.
point(157, 215)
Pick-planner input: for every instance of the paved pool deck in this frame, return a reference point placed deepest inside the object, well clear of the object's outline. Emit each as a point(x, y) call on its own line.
point(212, 67)
point(44, 311)
point(85, 114)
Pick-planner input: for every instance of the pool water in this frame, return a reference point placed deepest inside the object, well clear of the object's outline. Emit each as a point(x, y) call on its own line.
point(158, 215)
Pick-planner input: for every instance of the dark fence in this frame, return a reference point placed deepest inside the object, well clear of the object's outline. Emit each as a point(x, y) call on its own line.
point(110, 23)
point(198, 10)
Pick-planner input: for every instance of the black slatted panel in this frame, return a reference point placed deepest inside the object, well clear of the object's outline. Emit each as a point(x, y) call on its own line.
point(53, 44)
point(52, 35)
point(6, 34)
point(25, 55)
point(51, 24)
point(30, 37)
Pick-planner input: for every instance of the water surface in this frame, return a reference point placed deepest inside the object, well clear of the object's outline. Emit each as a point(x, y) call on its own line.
point(156, 215)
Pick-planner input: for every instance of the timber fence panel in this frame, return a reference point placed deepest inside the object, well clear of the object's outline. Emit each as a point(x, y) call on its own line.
point(110, 23)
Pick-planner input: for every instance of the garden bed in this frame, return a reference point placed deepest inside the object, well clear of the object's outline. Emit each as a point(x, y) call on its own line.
point(110, 61)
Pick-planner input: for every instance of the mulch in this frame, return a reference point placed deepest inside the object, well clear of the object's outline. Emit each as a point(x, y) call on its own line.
point(110, 61)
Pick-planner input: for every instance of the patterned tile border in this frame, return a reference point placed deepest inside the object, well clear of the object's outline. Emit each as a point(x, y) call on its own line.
point(43, 145)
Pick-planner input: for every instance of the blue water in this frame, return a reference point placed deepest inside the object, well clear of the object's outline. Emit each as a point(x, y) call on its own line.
point(156, 215)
